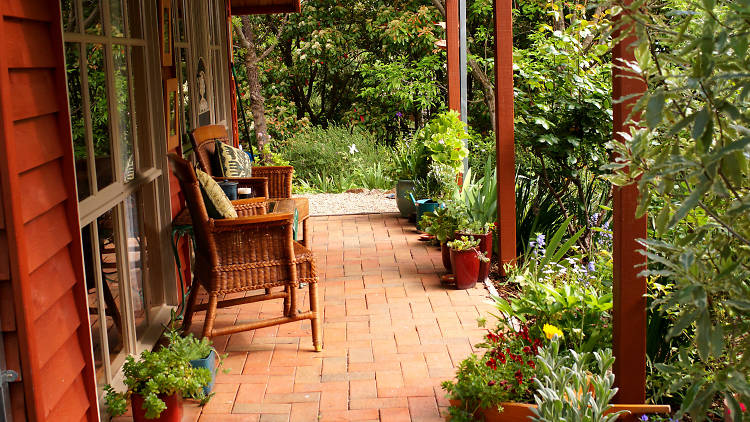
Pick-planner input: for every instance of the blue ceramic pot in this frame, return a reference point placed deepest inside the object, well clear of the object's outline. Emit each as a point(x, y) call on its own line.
point(209, 362)
point(423, 206)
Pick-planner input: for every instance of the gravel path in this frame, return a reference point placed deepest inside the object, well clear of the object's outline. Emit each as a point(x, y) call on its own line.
point(367, 202)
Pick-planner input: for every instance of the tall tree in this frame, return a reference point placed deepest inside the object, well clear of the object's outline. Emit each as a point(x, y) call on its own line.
point(246, 33)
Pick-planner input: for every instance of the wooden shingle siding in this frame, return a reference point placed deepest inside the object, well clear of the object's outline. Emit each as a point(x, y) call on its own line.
point(42, 291)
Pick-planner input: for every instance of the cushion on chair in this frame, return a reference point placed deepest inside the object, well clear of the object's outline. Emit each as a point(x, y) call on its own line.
point(233, 161)
point(217, 203)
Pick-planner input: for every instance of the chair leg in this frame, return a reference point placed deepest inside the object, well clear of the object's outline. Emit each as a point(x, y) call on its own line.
point(208, 325)
point(316, 320)
point(187, 320)
point(287, 308)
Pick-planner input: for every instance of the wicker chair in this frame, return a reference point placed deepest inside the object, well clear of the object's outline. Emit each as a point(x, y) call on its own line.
point(203, 140)
point(252, 252)
point(279, 177)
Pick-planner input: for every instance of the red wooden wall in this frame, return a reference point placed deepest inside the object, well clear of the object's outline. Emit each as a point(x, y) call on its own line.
point(42, 290)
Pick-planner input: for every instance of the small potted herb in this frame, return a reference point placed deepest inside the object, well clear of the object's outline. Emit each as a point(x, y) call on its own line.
point(483, 233)
point(156, 384)
point(465, 259)
point(200, 353)
point(443, 223)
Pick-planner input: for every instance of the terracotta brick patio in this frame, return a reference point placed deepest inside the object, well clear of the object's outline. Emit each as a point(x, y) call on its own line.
point(392, 334)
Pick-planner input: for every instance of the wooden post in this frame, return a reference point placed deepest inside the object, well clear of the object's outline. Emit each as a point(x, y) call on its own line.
point(629, 314)
point(504, 135)
point(452, 41)
point(233, 85)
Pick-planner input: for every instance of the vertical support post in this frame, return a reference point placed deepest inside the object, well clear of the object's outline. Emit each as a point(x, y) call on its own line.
point(463, 51)
point(233, 85)
point(629, 314)
point(504, 135)
point(452, 41)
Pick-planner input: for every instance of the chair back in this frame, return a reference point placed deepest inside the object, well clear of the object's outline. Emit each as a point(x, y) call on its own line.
point(204, 144)
point(190, 188)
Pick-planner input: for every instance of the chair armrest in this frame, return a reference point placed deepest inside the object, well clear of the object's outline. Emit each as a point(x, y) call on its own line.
point(279, 179)
point(258, 184)
point(250, 206)
point(251, 222)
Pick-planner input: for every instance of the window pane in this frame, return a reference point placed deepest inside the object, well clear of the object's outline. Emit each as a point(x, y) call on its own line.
point(99, 115)
point(136, 253)
point(185, 89)
point(180, 23)
point(111, 285)
point(93, 301)
point(69, 15)
point(92, 17)
point(73, 67)
point(118, 12)
point(124, 110)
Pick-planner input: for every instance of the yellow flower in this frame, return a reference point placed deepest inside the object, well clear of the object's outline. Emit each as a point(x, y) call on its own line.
point(551, 331)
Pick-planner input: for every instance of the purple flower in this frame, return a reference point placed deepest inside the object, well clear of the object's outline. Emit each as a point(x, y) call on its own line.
point(643, 418)
point(399, 114)
point(540, 239)
point(591, 266)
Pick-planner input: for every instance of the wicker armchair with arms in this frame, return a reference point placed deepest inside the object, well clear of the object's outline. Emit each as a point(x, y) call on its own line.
point(254, 252)
point(279, 178)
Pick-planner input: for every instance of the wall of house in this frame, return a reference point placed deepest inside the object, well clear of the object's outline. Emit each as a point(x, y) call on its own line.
point(42, 291)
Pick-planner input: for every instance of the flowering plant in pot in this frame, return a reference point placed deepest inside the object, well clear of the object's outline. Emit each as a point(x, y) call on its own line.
point(483, 232)
point(504, 373)
point(465, 258)
point(155, 384)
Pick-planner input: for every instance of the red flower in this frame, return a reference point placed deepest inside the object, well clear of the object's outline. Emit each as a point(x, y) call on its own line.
point(501, 357)
point(491, 383)
point(492, 337)
point(519, 377)
point(527, 350)
point(532, 364)
point(492, 363)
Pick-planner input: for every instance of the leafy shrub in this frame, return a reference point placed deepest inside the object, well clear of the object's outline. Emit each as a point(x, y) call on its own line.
point(337, 158)
point(567, 391)
point(564, 291)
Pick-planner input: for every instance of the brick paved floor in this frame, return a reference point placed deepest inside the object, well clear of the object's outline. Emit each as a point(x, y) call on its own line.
point(391, 334)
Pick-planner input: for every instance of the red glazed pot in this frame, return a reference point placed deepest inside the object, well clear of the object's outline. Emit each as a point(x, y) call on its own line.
point(445, 252)
point(485, 245)
point(173, 412)
point(465, 267)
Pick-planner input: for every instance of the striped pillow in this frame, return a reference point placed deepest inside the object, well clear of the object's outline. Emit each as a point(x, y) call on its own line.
point(233, 161)
point(216, 201)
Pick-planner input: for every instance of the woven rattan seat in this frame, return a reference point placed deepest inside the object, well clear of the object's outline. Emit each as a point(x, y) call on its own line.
point(269, 181)
point(252, 253)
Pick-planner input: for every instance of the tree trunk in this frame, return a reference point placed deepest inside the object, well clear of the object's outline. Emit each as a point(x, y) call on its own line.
point(257, 101)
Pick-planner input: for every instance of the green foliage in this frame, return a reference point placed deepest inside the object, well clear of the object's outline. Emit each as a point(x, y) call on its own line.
point(164, 372)
point(480, 196)
point(444, 138)
point(410, 161)
point(567, 391)
point(692, 158)
point(565, 291)
point(337, 158)
point(503, 373)
point(443, 222)
point(464, 243)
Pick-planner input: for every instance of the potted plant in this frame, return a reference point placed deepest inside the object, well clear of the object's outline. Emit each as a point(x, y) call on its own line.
point(504, 373)
point(465, 259)
point(199, 352)
point(443, 223)
point(410, 163)
point(483, 233)
point(156, 384)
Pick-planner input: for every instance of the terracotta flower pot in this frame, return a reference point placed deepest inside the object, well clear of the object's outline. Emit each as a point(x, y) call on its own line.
point(173, 412)
point(512, 412)
point(485, 245)
point(445, 253)
point(465, 267)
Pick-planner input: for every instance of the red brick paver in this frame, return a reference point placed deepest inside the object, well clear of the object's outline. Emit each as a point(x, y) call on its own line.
point(392, 333)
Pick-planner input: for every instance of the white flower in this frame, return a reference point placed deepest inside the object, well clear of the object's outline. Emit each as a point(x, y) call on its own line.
point(353, 149)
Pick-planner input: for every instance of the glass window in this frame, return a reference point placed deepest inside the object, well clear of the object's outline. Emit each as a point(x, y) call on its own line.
point(109, 97)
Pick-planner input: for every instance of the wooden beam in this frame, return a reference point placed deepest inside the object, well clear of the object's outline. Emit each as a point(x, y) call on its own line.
point(504, 134)
point(452, 41)
point(629, 314)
